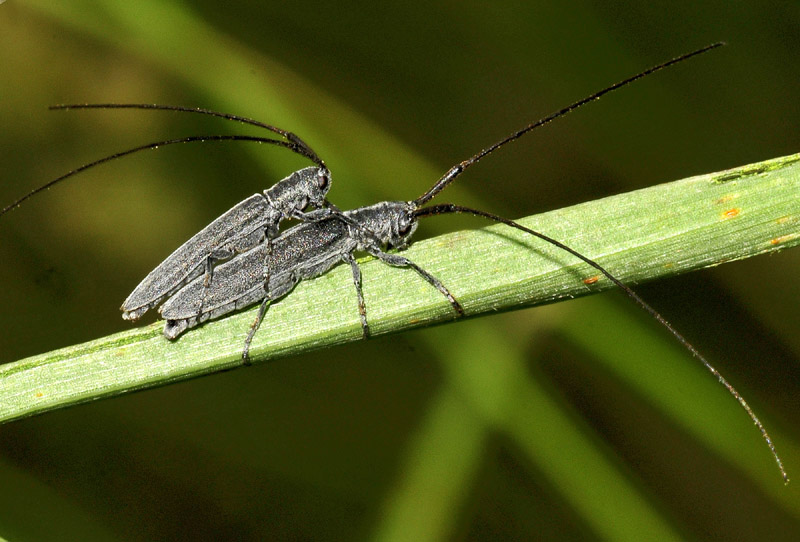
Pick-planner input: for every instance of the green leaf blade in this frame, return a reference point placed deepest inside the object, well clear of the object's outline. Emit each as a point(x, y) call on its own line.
point(638, 236)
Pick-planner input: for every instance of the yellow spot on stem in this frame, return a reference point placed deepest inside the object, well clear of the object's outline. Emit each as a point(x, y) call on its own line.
point(782, 239)
point(731, 213)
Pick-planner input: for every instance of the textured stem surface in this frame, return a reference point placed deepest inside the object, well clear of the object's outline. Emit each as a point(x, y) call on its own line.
point(655, 232)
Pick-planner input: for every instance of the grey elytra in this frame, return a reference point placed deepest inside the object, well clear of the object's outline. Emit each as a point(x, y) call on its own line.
point(249, 223)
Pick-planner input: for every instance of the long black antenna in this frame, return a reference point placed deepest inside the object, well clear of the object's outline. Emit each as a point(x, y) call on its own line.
point(446, 208)
point(293, 142)
point(458, 169)
point(191, 139)
point(290, 136)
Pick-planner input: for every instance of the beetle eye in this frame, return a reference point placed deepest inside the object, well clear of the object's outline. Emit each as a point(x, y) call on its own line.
point(323, 181)
point(406, 228)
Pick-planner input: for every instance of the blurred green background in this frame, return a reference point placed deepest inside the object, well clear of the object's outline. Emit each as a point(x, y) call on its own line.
point(579, 420)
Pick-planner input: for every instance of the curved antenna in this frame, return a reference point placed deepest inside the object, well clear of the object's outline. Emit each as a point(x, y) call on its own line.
point(286, 144)
point(227, 116)
point(447, 208)
point(458, 169)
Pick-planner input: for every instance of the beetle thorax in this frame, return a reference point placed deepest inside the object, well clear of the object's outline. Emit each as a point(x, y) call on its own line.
point(301, 188)
point(391, 222)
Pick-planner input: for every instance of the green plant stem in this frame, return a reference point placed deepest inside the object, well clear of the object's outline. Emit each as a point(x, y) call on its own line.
point(655, 232)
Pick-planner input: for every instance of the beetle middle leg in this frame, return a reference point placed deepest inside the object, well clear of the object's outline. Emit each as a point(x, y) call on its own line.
point(262, 311)
point(362, 308)
point(401, 261)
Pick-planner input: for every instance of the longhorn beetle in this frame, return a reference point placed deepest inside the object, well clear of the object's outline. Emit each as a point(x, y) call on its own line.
point(248, 223)
point(262, 267)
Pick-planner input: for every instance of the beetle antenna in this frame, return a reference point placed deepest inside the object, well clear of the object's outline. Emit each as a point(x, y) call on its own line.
point(447, 208)
point(290, 136)
point(459, 168)
point(286, 144)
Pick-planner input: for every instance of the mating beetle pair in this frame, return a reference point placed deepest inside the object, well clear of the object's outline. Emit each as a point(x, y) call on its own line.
point(243, 257)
